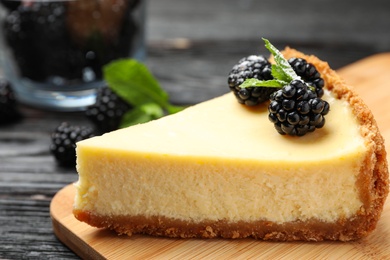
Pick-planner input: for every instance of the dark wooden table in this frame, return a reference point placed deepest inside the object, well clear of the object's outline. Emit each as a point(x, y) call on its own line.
point(192, 45)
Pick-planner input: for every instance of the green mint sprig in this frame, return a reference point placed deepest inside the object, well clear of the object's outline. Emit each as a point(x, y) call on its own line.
point(281, 71)
point(134, 83)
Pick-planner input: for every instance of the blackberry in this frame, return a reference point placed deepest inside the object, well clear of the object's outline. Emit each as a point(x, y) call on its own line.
point(308, 73)
point(64, 139)
point(108, 110)
point(296, 109)
point(8, 105)
point(253, 66)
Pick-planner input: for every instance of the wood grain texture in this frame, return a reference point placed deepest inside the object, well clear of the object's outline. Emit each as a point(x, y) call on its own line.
point(371, 80)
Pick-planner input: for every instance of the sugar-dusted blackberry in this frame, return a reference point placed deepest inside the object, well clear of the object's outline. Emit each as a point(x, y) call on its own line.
point(308, 72)
point(253, 66)
point(108, 110)
point(9, 111)
point(63, 142)
point(296, 109)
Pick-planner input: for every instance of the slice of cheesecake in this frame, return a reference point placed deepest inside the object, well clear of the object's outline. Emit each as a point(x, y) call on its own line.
point(219, 169)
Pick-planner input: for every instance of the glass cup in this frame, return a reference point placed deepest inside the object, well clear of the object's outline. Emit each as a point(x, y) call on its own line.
point(53, 51)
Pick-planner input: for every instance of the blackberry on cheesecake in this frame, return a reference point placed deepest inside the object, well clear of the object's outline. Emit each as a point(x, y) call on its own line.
point(253, 66)
point(309, 74)
point(296, 110)
point(296, 88)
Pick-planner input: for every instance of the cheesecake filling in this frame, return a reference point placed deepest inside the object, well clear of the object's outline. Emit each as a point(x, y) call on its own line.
point(165, 170)
point(222, 192)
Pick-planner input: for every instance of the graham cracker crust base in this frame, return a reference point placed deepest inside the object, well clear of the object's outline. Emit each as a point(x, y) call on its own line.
point(313, 230)
point(372, 183)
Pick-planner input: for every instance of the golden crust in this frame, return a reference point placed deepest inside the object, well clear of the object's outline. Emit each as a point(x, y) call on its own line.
point(313, 230)
point(372, 184)
point(373, 180)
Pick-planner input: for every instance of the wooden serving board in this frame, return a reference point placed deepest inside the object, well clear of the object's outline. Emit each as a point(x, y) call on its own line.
point(370, 77)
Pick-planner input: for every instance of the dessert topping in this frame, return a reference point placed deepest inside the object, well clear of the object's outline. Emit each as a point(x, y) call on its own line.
point(296, 87)
point(253, 66)
point(309, 74)
point(296, 110)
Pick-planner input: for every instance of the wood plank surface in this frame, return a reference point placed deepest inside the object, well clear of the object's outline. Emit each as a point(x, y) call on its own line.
point(371, 79)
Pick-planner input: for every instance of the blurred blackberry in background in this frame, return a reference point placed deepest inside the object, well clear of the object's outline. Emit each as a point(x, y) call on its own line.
point(253, 66)
point(108, 110)
point(9, 111)
point(63, 142)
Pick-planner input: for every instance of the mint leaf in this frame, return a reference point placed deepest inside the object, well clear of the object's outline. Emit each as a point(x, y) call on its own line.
point(282, 72)
point(133, 82)
point(173, 109)
point(278, 73)
point(288, 71)
point(273, 83)
point(141, 114)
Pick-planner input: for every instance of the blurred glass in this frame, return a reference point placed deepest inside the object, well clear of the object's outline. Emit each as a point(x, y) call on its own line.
point(52, 51)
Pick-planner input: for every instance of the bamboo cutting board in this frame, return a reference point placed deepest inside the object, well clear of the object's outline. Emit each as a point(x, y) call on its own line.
point(371, 78)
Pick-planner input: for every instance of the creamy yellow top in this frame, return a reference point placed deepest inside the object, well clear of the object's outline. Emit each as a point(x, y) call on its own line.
point(224, 128)
point(221, 160)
